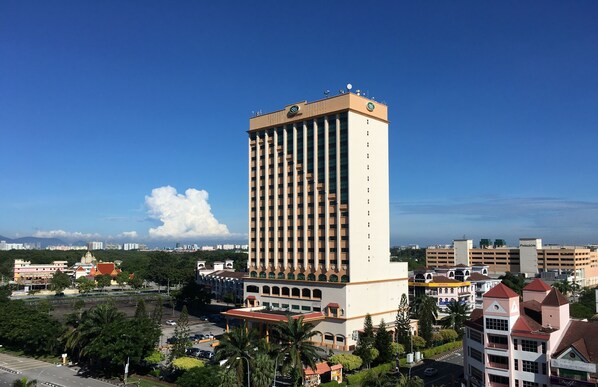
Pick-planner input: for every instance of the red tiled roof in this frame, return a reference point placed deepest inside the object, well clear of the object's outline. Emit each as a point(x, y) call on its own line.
point(583, 336)
point(444, 279)
point(333, 305)
point(500, 291)
point(478, 277)
point(251, 297)
point(555, 298)
point(106, 268)
point(272, 317)
point(537, 285)
point(321, 368)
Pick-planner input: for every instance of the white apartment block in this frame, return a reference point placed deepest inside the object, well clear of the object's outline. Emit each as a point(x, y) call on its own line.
point(95, 245)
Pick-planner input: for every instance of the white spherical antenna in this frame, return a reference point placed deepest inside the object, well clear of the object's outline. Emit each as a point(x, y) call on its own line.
point(349, 86)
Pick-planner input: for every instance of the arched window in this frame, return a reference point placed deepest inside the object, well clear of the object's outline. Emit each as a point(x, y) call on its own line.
point(311, 277)
point(252, 289)
point(263, 274)
point(333, 278)
point(271, 275)
point(301, 277)
point(266, 289)
point(345, 278)
point(285, 291)
point(275, 291)
point(291, 276)
point(253, 274)
point(296, 292)
point(317, 294)
point(305, 293)
point(322, 277)
point(280, 275)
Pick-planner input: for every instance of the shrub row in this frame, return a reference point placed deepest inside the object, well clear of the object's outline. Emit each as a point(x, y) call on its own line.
point(380, 369)
point(428, 353)
point(357, 378)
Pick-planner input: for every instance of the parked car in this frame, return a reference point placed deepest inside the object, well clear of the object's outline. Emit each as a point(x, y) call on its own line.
point(170, 322)
point(171, 340)
point(206, 354)
point(193, 351)
point(430, 371)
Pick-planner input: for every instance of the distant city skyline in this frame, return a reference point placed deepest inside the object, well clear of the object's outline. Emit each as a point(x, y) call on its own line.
point(126, 121)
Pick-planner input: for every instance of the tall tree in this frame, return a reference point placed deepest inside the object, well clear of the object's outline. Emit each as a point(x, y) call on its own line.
point(514, 281)
point(383, 343)
point(60, 281)
point(403, 322)
point(365, 348)
point(181, 334)
point(158, 310)
point(85, 285)
point(427, 313)
point(237, 347)
point(103, 280)
point(294, 337)
point(458, 313)
point(140, 312)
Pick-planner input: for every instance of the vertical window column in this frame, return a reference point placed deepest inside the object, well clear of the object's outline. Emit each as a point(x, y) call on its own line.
point(266, 202)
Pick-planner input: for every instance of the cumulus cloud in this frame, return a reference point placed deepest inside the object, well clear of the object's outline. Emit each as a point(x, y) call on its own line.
point(128, 234)
point(186, 215)
point(64, 234)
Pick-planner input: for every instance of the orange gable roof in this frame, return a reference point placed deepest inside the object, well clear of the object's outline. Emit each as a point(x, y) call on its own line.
point(321, 368)
point(105, 268)
point(501, 291)
point(537, 285)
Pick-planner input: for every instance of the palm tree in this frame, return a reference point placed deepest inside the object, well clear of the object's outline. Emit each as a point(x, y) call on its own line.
point(295, 342)
point(427, 313)
point(262, 370)
point(93, 322)
point(24, 382)
point(458, 313)
point(237, 347)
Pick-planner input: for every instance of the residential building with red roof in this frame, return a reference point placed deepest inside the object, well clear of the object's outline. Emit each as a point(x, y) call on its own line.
point(529, 341)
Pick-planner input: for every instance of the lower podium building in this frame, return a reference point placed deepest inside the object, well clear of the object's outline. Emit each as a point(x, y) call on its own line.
point(319, 219)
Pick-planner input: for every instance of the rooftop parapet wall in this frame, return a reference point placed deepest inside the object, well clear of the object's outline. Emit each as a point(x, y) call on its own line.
point(330, 105)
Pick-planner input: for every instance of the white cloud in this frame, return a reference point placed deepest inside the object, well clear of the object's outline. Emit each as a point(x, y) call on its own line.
point(64, 234)
point(128, 234)
point(183, 216)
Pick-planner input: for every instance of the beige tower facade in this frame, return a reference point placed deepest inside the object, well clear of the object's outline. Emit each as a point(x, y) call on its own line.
point(319, 215)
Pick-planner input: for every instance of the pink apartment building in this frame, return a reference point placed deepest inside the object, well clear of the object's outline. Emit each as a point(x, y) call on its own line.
point(528, 342)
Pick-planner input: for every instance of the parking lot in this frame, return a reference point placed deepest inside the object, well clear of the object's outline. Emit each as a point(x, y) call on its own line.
point(204, 334)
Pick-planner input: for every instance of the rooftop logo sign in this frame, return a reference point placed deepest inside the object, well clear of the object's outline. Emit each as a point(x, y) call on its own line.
point(293, 110)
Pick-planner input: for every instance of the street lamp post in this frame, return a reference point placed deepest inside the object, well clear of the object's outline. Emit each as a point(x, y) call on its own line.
point(248, 376)
point(275, 367)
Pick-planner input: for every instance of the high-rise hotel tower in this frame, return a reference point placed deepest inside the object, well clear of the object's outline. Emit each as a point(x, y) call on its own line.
point(319, 218)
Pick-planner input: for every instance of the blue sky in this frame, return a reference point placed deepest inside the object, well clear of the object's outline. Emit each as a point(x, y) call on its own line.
point(126, 120)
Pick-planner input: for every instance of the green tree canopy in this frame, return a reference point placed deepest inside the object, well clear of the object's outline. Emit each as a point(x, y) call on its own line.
point(427, 312)
point(383, 343)
point(208, 376)
point(294, 337)
point(348, 361)
point(60, 281)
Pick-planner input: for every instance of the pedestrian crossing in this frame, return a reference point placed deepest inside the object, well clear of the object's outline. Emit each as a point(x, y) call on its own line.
point(17, 365)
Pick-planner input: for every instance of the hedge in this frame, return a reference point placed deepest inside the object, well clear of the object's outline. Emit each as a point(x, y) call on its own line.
point(428, 353)
point(358, 377)
point(380, 369)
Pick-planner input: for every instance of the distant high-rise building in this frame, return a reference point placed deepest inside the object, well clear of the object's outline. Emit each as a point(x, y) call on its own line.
point(95, 245)
point(319, 217)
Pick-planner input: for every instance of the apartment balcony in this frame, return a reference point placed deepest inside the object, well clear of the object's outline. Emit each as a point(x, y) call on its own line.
point(501, 366)
point(497, 346)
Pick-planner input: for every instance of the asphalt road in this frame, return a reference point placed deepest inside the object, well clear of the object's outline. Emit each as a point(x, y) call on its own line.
point(449, 366)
